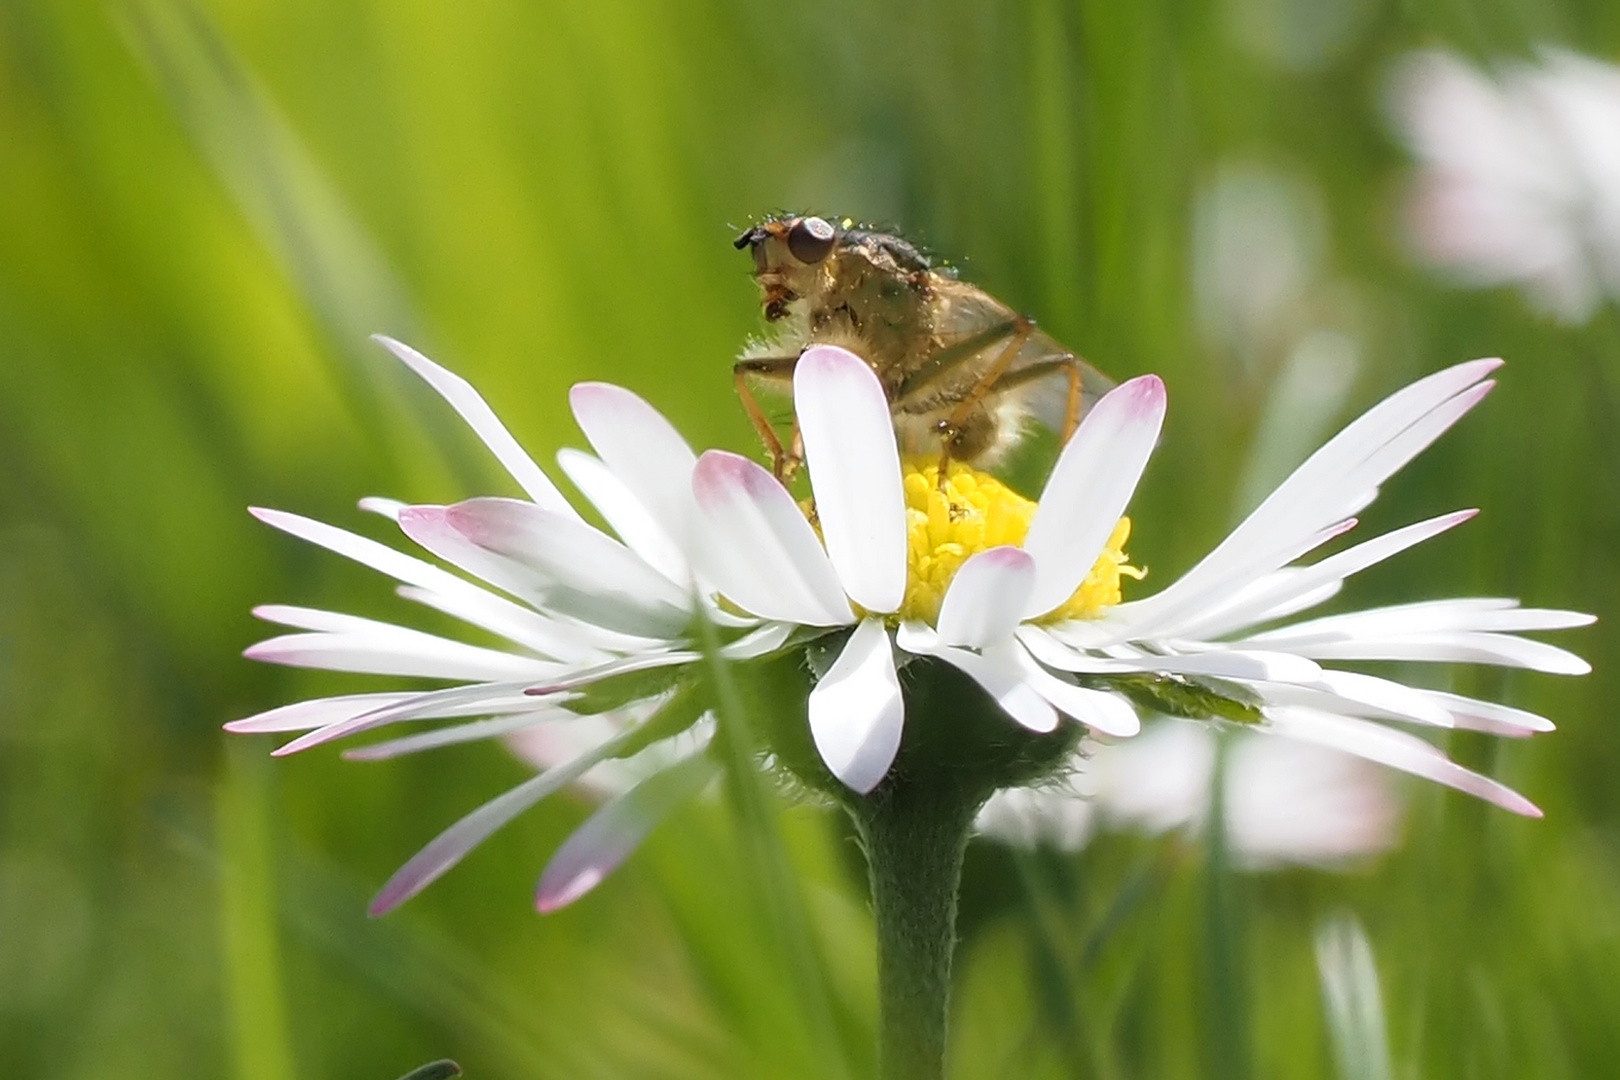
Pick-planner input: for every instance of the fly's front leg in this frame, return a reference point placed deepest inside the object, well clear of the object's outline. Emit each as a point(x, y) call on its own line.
point(951, 427)
point(784, 461)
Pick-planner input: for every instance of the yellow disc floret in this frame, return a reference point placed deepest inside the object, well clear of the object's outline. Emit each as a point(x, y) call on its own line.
point(975, 511)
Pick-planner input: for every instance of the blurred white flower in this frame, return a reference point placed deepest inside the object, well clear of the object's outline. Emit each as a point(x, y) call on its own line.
point(1259, 242)
point(1286, 802)
point(1519, 178)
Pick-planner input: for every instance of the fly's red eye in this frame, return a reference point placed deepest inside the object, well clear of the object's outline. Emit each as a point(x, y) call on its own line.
point(810, 239)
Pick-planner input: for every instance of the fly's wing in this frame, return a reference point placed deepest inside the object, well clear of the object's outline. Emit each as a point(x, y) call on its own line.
point(1039, 376)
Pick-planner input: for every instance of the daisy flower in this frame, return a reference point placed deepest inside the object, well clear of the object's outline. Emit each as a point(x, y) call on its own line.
point(1024, 598)
point(1519, 174)
point(852, 608)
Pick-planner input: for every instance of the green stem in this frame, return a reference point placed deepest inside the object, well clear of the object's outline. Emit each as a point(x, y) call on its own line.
point(1228, 1015)
point(914, 837)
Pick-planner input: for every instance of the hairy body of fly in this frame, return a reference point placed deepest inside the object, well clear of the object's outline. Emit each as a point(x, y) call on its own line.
point(962, 371)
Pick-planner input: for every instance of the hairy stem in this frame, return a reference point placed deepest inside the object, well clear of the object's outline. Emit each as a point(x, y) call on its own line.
point(914, 836)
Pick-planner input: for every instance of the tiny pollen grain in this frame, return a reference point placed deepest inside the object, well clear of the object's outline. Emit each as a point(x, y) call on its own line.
point(972, 513)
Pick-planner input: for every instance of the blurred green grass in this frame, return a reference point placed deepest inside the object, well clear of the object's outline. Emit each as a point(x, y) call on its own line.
point(205, 206)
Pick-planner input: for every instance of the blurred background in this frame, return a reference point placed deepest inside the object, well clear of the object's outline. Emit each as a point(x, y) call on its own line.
point(207, 205)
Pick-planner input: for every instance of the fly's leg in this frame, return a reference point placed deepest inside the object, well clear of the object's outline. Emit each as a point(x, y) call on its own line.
point(795, 452)
point(784, 461)
point(951, 426)
point(1073, 369)
point(956, 352)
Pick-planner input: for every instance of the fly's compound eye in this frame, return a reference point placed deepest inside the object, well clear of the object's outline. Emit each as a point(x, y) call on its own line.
point(810, 240)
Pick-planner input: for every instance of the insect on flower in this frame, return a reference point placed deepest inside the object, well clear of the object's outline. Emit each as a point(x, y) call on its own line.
point(962, 371)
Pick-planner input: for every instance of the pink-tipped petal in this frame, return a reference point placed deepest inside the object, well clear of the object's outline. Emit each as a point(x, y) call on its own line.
point(448, 848)
point(461, 396)
point(1487, 716)
point(585, 573)
point(765, 557)
point(316, 713)
point(1287, 591)
point(1089, 488)
point(1396, 749)
point(609, 836)
point(986, 599)
point(1334, 483)
point(479, 699)
point(854, 467)
point(856, 710)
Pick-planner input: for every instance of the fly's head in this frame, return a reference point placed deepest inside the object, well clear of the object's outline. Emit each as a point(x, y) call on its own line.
point(790, 258)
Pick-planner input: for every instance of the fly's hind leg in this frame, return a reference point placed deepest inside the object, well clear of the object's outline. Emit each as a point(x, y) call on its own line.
point(785, 461)
point(1073, 369)
point(950, 429)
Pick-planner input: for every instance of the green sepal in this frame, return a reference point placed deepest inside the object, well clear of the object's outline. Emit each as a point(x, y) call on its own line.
point(1190, 698)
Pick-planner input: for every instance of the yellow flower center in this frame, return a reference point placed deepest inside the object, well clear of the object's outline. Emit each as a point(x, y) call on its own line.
point(975, 511)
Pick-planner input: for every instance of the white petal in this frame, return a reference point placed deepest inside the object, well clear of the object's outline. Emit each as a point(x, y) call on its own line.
point(644, 451)
point(1396, 749)
point(765, 557)
point(573, 641)
point(1221, 663)
point(610, 835)
point(1503, 650)
point(398, 652)
point(448, 847)
point(429, 526)
point(566, 642)
point(1332, 484)
point(1488, 716)
point(455, 734)
point(1283, 591)
point(388, 508)
point(590, 575)
point(1097, 709)
point(335, 622)
point(465, 595)
point(479, 699)
point(482, 419)
point(316, 713)
point(758, 642)
point(854, 472)
point(1429, 616)
point(626, 514)
point(986, 598)
point(577, 678)
point(1089, 488)
point(996, 670)
point(1351, 694)
point(856, 711)
point(1147, 619)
